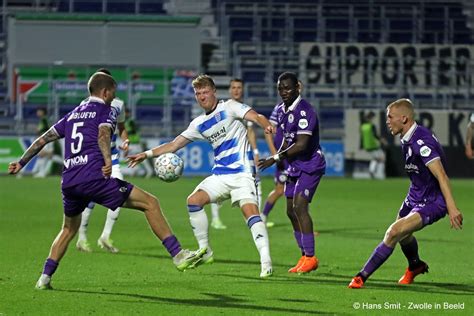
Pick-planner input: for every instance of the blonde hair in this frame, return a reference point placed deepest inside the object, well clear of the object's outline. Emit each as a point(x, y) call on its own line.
point(405, 105)
point(202, 81)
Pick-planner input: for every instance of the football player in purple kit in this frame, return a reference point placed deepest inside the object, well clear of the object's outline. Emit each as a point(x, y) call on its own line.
point(299, 123)
point(86, 177)
point(469, 136)
point(428, 200)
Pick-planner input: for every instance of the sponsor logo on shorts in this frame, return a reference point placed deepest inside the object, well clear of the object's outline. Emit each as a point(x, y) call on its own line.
point(306, 192)
point(123, 189)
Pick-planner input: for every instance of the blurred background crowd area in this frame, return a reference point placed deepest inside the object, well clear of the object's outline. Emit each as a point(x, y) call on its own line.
point(352, 56)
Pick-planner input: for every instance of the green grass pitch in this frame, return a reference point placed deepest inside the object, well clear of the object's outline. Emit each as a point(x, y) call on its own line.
point(351, 218)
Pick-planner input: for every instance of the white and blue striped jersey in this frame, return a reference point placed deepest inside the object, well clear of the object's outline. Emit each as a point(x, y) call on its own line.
point(224, 129)
point(118, 105)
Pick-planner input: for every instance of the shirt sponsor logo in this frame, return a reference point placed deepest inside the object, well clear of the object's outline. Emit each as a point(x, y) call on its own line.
point(81, 115)
point(76, 161)
point(409, 167)
point(303, 123)
point(217, 135)
point(425, 151)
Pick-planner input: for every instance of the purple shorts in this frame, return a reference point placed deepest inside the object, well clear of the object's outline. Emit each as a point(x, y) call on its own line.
point(430, 212)
point(306, 185)
point(111, 193)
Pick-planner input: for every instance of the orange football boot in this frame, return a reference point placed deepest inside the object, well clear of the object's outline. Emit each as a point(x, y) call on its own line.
point(300, 262)
point(356, 283)
point(308, 265)
point(410, 275)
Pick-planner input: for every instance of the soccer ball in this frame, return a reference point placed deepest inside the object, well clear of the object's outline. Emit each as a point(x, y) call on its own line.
point(169, 167)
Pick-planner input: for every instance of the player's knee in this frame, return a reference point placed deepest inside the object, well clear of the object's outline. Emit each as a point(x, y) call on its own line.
point(194, 199)
point(152, 202)
point(393, 233)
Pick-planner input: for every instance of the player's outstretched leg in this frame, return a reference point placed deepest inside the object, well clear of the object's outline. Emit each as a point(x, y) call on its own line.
point(182, 258)
point(82, 243)
point(378, 257)
point(104, 241)
point(57, 251)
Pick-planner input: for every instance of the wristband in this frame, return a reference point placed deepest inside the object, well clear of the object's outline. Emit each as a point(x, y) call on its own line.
point(22, 163)
point(149, 153)
point(276, 157)
point(255, 151)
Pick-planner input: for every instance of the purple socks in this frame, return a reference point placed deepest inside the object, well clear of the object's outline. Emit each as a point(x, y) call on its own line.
point(305, 242)
point(378, 257)
point(172, 245)
point(267, 208)
point(50, 267)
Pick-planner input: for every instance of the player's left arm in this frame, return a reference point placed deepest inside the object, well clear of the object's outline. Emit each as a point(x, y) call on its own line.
point(49, 136)
point(437, 169)
point(103, 140)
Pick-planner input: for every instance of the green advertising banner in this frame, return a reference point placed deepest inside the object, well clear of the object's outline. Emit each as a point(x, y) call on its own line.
point(10, 150)
point(69, 84)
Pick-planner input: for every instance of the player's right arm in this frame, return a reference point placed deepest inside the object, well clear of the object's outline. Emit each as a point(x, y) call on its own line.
point(33, 150)
point(171, 147)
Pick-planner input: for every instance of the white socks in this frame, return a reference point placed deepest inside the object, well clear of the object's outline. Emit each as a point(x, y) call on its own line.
point(199, 224)
point(84, 222)
point(110, 222)
point(215, 210)
point(260, 237)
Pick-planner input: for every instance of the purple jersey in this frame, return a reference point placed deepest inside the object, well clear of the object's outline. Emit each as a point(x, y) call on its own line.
point(83, 160)
point(301, 119)
point(420, 147)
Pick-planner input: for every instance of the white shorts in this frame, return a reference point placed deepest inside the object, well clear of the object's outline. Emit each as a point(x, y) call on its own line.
point(238, 187)
point(116, 173)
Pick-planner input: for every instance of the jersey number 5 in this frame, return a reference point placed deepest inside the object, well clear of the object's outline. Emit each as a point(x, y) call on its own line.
point(76, 136)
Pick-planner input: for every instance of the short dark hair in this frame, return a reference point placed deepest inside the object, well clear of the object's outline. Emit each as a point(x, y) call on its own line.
point(236, 80)
point(104, 70)
point(99, 81)
point(289, 75)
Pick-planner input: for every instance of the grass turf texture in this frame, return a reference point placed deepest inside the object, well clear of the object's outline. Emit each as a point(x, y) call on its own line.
point(351, 218)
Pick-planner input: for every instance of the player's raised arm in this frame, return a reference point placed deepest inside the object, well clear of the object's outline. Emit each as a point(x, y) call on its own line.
point(438, 171)
point(170, 147)
point(49, 136)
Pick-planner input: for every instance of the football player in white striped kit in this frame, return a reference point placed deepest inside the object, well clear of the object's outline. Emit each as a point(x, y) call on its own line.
point(232, 174)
